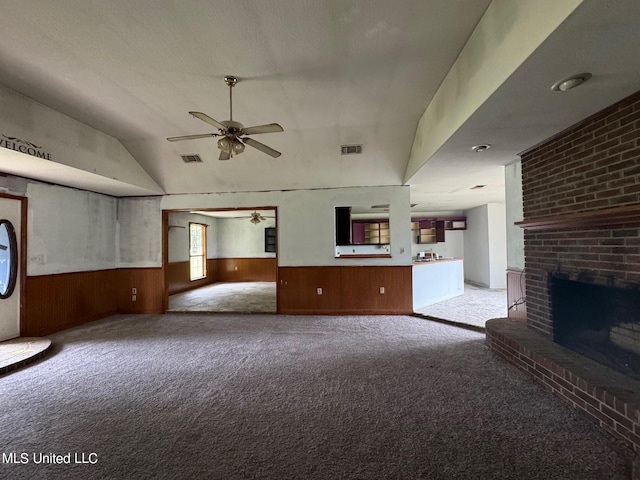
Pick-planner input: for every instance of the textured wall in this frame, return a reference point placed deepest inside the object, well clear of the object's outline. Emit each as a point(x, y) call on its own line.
point(140, 232)
point(69, 230)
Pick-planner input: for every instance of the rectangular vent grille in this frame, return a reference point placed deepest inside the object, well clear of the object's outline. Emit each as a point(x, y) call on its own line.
point(351, 149)
point(195, 158)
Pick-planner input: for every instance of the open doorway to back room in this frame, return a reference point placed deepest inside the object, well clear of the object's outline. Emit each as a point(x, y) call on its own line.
point(222, 260)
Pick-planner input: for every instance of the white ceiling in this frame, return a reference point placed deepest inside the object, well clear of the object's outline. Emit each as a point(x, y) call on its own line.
point(331, 72)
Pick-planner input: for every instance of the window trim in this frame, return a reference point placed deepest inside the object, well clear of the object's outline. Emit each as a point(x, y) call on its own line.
point(203, 255)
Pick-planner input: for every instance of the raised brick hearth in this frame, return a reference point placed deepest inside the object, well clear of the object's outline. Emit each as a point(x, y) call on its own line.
point(609, 397)
point(581, 198)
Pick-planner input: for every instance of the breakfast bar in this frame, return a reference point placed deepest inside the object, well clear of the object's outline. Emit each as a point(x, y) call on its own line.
point(435, 281)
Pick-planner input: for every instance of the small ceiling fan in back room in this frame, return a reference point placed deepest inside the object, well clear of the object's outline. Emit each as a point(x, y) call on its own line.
point(234, 134)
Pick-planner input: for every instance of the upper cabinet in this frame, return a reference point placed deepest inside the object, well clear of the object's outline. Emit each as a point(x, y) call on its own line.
point(432, 230)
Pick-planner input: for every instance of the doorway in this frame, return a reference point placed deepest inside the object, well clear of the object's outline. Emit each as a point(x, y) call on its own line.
point(11, 265)
point(239, 256)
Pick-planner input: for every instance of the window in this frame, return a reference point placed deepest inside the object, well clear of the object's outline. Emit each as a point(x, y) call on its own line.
point(198, 250)
point(8, 258)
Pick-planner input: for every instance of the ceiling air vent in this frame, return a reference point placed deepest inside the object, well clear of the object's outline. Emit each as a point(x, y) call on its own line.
point(194, 158)
point(350, 149)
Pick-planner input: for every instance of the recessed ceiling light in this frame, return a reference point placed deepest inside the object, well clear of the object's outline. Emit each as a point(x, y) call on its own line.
point(570, 82)
point(481, 148)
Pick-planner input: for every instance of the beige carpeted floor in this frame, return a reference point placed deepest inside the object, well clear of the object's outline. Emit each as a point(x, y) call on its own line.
point(238, 297)
point(290, 397)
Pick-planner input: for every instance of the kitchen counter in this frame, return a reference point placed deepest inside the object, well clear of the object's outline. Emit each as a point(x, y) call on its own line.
point(441, 280)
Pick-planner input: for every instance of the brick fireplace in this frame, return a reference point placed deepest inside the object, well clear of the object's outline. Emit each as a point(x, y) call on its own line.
point(581, 196)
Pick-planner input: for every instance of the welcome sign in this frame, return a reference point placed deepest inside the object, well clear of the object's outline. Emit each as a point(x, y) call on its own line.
point(22, 146)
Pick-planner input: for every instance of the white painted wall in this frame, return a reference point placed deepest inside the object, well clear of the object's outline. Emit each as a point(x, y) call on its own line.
point(239, 238)
point(485, 246)
point(514, 213)
point(306, 223)
point(497, 245)
point(69, 230)
point(453, 245)
point(139, 232)
point(179, 237)
point(74, 230)
point(476, 247)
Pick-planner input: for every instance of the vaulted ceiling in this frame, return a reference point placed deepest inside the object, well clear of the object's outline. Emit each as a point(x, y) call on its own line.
point(416, 82)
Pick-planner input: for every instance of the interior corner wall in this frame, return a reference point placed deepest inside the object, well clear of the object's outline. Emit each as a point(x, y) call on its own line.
point(485, 246)
point(497, 245)
point(514, 209)
point(476, 247)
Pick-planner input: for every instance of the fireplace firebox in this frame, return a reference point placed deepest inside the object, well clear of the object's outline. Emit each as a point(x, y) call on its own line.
point(597, 321)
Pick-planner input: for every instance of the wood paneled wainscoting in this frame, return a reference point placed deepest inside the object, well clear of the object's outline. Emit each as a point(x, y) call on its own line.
point(345, 290)
point(56, 302)
point(222, 270)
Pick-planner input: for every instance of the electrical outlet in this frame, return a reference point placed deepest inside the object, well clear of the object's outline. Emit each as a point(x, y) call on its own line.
point(134, 291)
point(319, 290)
point(235, 268)
point(133, 298)
point(382, 290)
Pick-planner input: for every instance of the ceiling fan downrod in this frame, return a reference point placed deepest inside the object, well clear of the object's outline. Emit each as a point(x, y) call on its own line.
point(231, 81)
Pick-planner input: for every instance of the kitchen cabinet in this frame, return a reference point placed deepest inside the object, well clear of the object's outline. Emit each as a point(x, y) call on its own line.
point(432, 230)
point(376, 233)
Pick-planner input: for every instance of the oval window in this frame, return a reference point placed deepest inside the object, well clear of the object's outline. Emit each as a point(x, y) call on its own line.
point(8, 258)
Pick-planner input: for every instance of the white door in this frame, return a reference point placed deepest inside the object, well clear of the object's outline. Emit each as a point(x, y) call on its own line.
point(10, 210)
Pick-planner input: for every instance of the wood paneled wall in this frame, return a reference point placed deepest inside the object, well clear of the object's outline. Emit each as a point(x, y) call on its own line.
point(345, 290)
point(149, 283)
point(247, 269)
point(56, 302)
point(178, 276)
point(515, 295)
point(222, 270)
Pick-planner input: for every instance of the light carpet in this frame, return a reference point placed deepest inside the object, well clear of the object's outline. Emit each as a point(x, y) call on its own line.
point(291, 397)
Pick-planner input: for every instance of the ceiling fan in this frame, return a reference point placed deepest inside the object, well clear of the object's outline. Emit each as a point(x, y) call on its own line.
point(256, 218)
point(234, 134)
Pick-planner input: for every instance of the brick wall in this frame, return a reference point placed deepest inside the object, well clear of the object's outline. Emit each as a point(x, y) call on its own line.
point(592, 166)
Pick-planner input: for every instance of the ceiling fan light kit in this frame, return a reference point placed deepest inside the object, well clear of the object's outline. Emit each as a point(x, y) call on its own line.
point(234, 134)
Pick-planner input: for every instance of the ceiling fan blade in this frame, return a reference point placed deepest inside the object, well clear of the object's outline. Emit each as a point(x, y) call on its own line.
point(225, 155)
point(262, 147)
point(269, 128)
point(207, 119)
point(192, 137)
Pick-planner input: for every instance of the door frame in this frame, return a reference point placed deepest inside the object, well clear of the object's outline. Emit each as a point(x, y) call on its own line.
point(23, 255)
point(165, 246)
